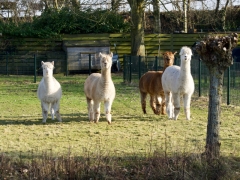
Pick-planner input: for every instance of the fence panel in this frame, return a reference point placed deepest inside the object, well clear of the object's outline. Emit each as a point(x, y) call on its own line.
point(135, 67)
point(15, 65)
point(234, 83)
point(11, 64)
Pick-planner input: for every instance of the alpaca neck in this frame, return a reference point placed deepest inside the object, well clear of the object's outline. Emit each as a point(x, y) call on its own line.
point(165, 66)
point(185, 69)
point(105, 83)
point(48, 83)
point(106, 76)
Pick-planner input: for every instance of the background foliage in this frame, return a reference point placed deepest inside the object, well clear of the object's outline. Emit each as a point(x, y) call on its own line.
point(54, 22)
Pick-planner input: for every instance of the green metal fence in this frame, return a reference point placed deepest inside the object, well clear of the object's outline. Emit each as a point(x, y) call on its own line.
point(31, 64)
point(135, 67)
point(11, 64)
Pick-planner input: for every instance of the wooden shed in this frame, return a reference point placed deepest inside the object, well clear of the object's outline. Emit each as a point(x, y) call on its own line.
point(78, 53)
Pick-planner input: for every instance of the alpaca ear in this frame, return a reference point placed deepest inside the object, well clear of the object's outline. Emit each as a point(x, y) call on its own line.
point(111, 54)
point(42, 62)
point(191, 51)
point(100, 54)
point(52, 63)
point(180, 52)
point(175, 53)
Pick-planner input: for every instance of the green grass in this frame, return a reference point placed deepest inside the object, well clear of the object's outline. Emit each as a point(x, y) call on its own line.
point(131, 133)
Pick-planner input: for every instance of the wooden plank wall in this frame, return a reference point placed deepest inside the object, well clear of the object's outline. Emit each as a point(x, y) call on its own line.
point(53, 49)
point(155, 44)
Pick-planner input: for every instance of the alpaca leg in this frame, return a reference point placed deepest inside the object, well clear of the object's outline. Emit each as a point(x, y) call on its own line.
point(176, 103)
point(56, 110)
point(96, 111)
point(143, 101)
point(45, 107)
point(158, 105)
point(90, 109)
point(163, 106)
point(107, 108)
point(52, 111)
point(153, 103)
point(168, 99)
point(186, 102)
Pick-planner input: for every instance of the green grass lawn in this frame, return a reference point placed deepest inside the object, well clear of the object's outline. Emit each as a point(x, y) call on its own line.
point(131, 132)
point(135, 145)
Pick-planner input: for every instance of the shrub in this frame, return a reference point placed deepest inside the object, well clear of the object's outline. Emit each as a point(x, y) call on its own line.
point(53, 22)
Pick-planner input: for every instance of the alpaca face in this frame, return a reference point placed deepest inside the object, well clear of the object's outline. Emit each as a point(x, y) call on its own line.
point(186, 53)
point(47, 68)
point(168, 58)
point(106, 60)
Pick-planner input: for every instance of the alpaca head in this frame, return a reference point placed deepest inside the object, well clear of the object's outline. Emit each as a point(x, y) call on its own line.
point(168, 58)
point(47, 68)
point(185, 53)
point(105, 60)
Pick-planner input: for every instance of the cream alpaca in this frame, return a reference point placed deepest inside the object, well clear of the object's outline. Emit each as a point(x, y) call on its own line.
point(178, 82)
point(49, 92)
point(99, 87)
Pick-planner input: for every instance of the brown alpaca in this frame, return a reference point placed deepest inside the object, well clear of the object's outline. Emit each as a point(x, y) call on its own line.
point(151, 83)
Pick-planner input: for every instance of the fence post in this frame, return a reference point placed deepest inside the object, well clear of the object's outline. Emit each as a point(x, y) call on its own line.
point(130, 69)
point(199, 78)
point(139, 67)
point(156, 63)
point(66, 56)
point(89, 65)
point(7, 64)
point(35, 68)
point(228, 87)
point(124, 68)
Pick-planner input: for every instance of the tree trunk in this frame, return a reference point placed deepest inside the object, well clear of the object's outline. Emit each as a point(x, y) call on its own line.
point(223, 17)
point(216, 53)
point(115, 5)
point(156, 14)
point(46, 4)
point(75, 4)
point(220, 15)
point(137, 29)
point(55, 4)
point(214, 113)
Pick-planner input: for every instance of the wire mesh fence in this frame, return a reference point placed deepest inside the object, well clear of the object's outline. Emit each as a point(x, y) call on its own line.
point(11, 64)
point(136, 66)
point(133, 68)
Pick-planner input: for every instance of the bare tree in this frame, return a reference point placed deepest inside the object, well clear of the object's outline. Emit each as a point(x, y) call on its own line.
point(115, 4)
point(75, 4)
point(220, 15)
point(137, 28)
point(156, 14)
point(216, 53)
point(58, 4)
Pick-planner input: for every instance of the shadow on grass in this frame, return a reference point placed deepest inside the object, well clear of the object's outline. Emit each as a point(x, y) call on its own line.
point(36, 120)
point(76, 117)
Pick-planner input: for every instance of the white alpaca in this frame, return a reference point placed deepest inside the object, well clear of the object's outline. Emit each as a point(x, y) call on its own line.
point(49, 92)
point(99, 87)
point(178, 82)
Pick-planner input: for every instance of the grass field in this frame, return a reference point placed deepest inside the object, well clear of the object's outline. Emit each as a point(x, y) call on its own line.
point(131, 133)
